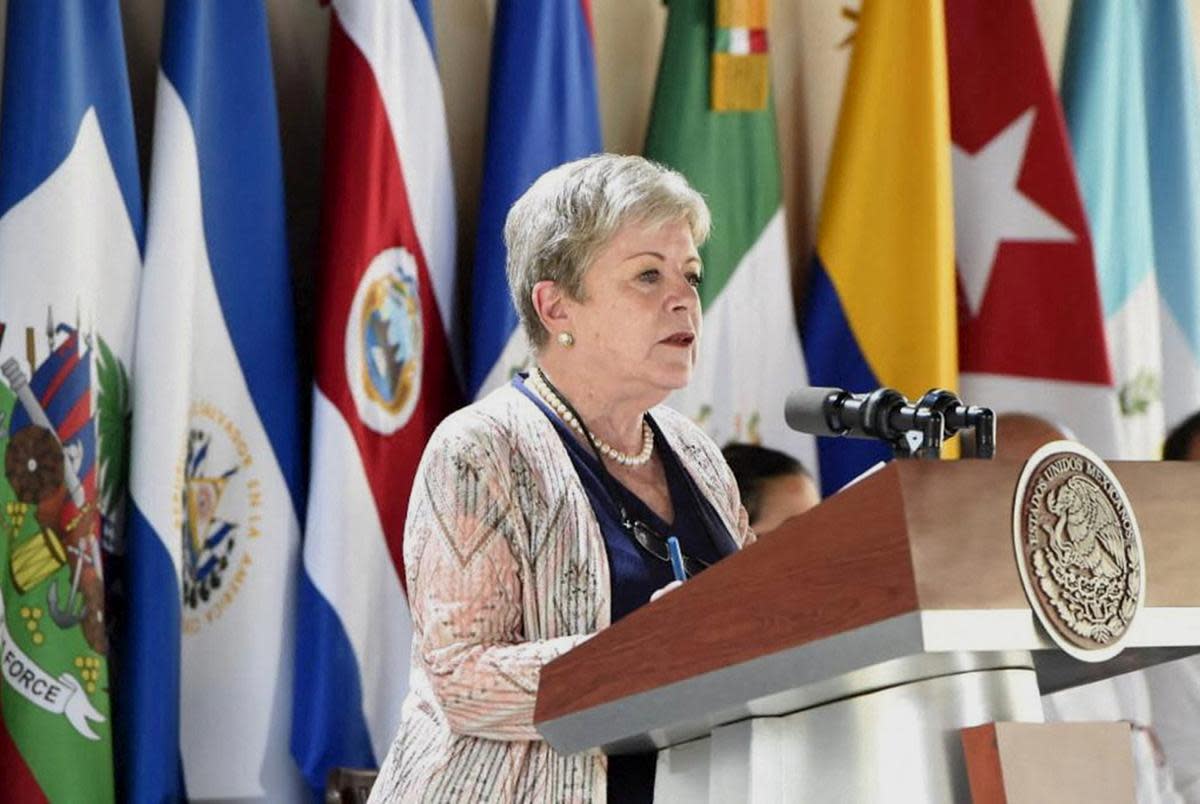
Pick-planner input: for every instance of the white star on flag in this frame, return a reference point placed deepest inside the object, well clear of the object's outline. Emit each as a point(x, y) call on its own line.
point(989, 208)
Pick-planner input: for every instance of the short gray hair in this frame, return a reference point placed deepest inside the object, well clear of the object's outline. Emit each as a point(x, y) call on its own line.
point(555, 229)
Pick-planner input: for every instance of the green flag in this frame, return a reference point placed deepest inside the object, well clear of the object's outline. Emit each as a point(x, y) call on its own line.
point(704, 124)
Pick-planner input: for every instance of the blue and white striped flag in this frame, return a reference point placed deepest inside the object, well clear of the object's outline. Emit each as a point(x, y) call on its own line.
point(216, 456)
point(1105, 104)
point(1173, 140)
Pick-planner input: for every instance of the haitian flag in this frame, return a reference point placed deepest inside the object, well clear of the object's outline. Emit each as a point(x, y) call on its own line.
point(384, 375)
point(881, 304)
point(216, 471)
point(1031, 328)
point(542, 112)
point(1105, 104)
point(70, 234)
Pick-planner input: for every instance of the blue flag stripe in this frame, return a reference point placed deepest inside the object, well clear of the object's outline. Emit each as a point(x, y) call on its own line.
point(76, 52)
point(1173, 126)
point(217, 57)
point(326, 681)
point(834, 359)
point(1105, 111)
point(542, 111)
point(147, 747)
point(425, 14)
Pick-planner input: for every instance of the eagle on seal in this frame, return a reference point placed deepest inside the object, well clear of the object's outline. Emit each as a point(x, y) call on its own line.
point(1087, 534)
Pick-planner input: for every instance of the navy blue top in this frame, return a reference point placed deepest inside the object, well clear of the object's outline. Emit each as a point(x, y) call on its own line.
point(634, 572)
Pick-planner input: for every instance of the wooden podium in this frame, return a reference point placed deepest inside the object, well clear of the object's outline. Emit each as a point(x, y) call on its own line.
point(837, 659)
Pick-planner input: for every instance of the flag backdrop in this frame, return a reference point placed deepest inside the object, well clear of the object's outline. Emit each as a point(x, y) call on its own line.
point(542, 111)
point(1102, 96)
point(1173, 140)
point(384, 375)
point(216, 454)
point(727, 150)
point(70, 228)
point(1031, 329)
point(881, 304)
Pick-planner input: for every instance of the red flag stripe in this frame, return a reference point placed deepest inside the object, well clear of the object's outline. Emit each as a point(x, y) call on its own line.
point(77, 418)
point(64, 371)
point(587, 16)
point(18, 783)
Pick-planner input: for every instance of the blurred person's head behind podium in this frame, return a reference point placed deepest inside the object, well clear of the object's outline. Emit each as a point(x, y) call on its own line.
point(1183, 442)
point(774, 486)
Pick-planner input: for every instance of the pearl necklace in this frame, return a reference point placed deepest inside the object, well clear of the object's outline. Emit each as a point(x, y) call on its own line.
point(539, 383)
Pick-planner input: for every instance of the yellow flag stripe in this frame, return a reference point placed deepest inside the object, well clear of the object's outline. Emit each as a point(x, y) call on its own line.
point(886, 235)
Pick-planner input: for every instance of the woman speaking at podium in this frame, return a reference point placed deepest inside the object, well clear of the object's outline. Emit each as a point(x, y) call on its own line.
point(541, 514)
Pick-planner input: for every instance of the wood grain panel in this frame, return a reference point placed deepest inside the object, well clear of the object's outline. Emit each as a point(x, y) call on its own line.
point(1040, 763)
point(928, 534)
point(842, 565)
point(1166, 501)
point(982, 753)
point(960, 526)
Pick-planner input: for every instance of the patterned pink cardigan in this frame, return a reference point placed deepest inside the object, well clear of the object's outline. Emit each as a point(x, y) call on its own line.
point(506, 570)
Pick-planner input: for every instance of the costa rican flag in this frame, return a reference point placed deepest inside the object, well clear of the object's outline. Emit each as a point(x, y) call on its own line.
point(385, 375)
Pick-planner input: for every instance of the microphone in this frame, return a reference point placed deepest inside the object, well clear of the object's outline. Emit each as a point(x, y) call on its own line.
point(884, 414)
point(959, 416)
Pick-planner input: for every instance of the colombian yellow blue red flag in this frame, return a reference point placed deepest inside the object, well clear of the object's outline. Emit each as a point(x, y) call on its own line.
point(881, 305)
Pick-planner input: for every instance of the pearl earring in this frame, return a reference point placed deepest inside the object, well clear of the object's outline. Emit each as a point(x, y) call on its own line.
point(566, 339)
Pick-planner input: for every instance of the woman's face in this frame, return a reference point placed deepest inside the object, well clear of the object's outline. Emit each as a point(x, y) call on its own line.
point(640, 321)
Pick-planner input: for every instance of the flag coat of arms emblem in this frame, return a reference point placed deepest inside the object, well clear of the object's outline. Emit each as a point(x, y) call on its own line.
point(70, 229)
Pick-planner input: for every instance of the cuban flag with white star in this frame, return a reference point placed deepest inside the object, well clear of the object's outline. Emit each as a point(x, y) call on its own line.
point(385, 375)
point(1030, 324)
point(216, 470)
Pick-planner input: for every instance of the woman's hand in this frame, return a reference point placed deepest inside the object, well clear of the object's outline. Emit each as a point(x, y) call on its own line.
point(660, 592)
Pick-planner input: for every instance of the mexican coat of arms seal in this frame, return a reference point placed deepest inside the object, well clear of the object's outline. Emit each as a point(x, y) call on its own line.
point(1078, 550)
